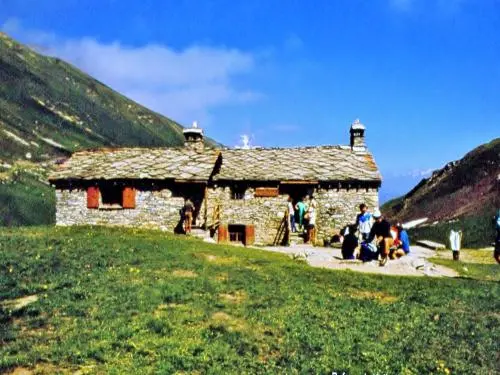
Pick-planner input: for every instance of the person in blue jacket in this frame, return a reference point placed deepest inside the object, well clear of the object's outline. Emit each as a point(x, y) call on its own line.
point(403, 242)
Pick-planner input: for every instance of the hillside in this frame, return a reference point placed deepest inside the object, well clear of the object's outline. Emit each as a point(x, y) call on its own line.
point(50, 108)
point(464, 191)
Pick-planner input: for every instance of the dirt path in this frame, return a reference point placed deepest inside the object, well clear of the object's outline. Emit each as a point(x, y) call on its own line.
point(415, 264)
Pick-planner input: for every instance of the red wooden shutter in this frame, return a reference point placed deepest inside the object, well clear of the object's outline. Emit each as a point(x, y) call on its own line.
point(249, 234)
point(223, 234)
point(93, 197)
point(128, 197)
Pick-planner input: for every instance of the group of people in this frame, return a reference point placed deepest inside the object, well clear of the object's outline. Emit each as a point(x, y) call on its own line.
point(302, 217)
point(372, 237)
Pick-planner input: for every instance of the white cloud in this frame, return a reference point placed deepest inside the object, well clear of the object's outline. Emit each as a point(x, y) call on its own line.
point(182, 84)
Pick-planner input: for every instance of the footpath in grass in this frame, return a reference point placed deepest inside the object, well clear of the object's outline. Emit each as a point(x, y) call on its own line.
point(129, 301)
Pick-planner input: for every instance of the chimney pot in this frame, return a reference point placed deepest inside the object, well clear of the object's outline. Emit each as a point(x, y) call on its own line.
point(193, 137)
point(358, 136)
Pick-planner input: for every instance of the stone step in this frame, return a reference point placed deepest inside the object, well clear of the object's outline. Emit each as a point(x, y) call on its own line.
point(431, 245)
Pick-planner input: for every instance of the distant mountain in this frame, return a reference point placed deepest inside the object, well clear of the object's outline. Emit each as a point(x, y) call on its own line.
point(464, 188)
point(50, 108)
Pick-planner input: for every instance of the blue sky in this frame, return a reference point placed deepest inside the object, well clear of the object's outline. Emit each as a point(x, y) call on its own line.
point(422, 75)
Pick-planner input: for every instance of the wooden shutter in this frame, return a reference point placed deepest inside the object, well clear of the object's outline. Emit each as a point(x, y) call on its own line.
point(93, 197)
point(266, 192)
point(223, 234)
point(249, 235)
point(128, 197)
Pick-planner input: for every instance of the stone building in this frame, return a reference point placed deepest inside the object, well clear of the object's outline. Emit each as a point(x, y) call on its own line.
point(242, 192)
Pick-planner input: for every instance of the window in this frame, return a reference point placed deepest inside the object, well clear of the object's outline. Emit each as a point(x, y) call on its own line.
point(110, 197)
point(238, 192)
point(236, 233)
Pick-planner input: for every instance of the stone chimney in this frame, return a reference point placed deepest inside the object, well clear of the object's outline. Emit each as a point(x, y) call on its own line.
point(193, 137)
point(358, 136)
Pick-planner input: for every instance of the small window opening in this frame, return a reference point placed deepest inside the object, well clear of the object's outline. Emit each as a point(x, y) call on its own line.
point(238, 192)
point(236, 233)
point(112, 195)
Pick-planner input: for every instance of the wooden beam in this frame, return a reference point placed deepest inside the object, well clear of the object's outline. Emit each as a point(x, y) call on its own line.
point(299, 182)
point(184, 181)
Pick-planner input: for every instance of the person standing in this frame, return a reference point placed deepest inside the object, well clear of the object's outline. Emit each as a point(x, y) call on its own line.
point(301, 209)
point(188, 215)
point(291, 215)
point(311, 225)
point(364, 222)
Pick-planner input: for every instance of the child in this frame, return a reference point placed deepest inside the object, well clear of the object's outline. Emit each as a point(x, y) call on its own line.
point(364, 221)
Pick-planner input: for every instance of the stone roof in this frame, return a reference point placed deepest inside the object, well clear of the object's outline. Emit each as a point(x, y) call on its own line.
point(138, 163)
point(325, 163)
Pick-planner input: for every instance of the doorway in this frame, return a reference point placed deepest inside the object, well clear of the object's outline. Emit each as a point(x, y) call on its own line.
point(297, 191)
point(196, 193)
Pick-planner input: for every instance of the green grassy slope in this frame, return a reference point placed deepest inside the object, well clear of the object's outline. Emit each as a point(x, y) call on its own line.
point(26, 198)
point(44, 97)
point(129, 301)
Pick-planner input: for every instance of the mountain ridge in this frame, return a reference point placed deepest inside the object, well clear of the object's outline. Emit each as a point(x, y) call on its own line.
point(50, 108)
point(463, 188)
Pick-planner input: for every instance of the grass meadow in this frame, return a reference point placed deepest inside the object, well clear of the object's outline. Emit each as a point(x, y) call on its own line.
point(119, 301)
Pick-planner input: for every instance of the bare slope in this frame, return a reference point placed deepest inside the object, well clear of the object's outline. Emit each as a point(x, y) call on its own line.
point(463, 188)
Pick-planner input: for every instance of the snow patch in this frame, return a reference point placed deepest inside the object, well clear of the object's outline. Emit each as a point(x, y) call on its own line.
point(414, 223)
point(51, 142)
point(16, 138)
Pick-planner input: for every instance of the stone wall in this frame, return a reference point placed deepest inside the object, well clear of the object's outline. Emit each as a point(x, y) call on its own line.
point(265, 214)
point(154, 209)
point(339, 207)
point(160, 209)
point(336, 208)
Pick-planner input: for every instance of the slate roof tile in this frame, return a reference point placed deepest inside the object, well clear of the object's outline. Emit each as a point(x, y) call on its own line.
point(324, 163)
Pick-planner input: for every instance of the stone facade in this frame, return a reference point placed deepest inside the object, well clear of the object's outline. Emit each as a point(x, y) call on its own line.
point(154, 209)
point(265, 213)
point(337, 207)
point(159, 209)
